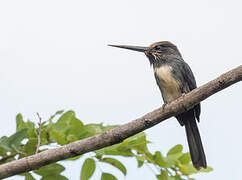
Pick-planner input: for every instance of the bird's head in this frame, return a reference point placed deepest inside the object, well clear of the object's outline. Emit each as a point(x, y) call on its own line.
point(156, 52)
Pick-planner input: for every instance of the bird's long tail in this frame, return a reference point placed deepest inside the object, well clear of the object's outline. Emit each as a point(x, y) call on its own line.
point(195, 144)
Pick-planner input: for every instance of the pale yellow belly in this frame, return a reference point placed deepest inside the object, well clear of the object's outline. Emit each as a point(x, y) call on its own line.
point(169, 86)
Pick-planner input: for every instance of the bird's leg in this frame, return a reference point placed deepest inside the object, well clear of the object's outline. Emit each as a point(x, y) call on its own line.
point(163, 106)
point(183, 95)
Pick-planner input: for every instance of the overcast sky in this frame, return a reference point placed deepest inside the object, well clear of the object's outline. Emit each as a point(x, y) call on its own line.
point(54, 55)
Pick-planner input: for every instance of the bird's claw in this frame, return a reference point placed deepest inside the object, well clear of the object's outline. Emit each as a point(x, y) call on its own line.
point(164, 105)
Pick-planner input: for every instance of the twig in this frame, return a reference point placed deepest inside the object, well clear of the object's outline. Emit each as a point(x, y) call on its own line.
point(120, 133)
point(38, 133)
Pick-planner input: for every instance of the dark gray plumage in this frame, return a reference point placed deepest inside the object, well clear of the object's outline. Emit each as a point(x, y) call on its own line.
point(174, 77)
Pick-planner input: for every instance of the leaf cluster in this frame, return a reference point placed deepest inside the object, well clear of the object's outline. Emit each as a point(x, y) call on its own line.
point(63, 128)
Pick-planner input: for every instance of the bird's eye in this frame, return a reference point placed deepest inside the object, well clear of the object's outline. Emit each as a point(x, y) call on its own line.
point(158, 47)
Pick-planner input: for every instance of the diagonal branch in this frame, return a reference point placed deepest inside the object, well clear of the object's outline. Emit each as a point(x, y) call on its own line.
point(120, 133)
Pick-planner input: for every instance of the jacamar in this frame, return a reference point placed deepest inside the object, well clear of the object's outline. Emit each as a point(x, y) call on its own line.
point(174, 77)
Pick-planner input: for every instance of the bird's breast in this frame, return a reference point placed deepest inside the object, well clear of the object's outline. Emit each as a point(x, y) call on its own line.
point(169, 86)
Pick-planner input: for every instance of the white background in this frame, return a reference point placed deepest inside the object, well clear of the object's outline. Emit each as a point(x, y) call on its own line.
point(54, 55)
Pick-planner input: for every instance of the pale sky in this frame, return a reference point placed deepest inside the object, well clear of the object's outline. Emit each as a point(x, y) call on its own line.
point(54, 55)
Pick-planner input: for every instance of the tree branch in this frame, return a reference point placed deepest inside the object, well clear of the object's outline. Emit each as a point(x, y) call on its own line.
point(120, 133)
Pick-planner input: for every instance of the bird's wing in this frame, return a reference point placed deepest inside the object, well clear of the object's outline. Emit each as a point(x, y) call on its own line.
point(188, 77)
point(190, 85)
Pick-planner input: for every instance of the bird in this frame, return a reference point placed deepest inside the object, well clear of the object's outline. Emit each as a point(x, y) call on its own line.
point(175, 78)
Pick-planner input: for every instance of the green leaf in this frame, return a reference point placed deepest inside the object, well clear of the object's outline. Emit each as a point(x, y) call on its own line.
point(173, 155)
point(68, 127)
point(44, 136)
point(75, 127)
point(127, 153)
point(99, 153)
point(71, 138)
point(59, 112)
point(54, 176)
point(91, 130)
point(52, 169)
point(30, 146)
point(20, 124)
point(65, 121)
point(163, 175)
point(159, 159)
point(107, 128)
point(74, 158)
point(88, 169)
point(62, 123)
point(187, 169)
point(185, 158)
point(115, 163)
point(173, 159)
point(178, 177)
point(208, 169)
point(140, 160)
point(53, 116)
point(27, 176)
point(176, 149)
point(3, 151)
point(14, 141)
point(58, 137)
point(159, 177)
point(114, 150)
point(173, 178)
point(137, 142)
point(108, 176)
point(4, 143)
point(31, 129)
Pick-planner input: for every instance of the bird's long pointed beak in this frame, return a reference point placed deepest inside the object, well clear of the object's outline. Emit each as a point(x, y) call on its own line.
point(134, 48)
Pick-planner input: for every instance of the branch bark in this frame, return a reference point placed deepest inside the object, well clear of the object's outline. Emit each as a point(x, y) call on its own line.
point(120, 133)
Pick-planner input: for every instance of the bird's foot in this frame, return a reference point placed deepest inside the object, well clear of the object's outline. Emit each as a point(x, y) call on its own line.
point(183, 95)
point(163, 106)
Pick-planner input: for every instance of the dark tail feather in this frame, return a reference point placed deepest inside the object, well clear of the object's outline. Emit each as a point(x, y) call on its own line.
point(195, 144)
